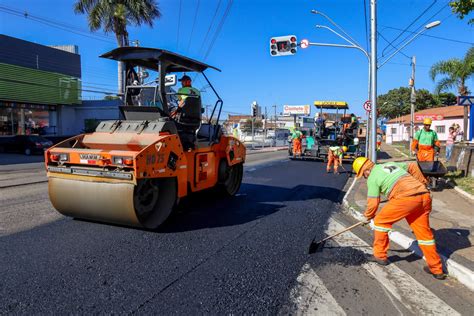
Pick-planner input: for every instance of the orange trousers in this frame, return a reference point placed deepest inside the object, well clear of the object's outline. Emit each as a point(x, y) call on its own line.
point(426, 153)
point(416, 210)
point(297, 146)
point(332, 160)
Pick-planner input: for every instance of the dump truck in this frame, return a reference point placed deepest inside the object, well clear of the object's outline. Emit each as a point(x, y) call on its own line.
point(134, 170)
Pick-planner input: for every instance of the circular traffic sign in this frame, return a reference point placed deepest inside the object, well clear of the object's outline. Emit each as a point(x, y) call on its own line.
point(368, 105)
point(304, 43)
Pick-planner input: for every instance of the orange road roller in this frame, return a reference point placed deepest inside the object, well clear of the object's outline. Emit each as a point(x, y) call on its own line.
point(132, 171)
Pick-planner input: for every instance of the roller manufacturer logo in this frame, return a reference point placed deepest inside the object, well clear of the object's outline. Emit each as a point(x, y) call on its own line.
point(89, 156)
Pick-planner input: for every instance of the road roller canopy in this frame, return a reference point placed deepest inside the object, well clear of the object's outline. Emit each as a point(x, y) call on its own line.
point(331, 105)
point(150, 58)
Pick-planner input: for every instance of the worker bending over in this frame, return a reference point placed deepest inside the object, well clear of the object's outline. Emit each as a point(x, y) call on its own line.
point(296, 137)
point(426, 142)
point(335, 154)
point(405, 187)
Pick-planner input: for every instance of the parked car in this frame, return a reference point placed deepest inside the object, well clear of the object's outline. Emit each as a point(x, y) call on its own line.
point(26, 144)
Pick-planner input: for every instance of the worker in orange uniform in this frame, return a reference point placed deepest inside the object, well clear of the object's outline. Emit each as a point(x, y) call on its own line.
point(296, 137)
point(425, 142)
point(405, 187)
point(335, 154)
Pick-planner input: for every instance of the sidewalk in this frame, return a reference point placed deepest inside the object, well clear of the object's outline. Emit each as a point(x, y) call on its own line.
point(451, 219)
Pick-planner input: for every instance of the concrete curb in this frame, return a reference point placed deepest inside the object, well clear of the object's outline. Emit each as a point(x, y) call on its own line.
point(460, 191)
point(456, 270)
point(262, 151)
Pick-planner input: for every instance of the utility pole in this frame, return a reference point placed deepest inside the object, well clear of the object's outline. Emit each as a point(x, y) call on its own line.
point(265, 129)
point(373, 78)
point(412, 101)
point(274, 126)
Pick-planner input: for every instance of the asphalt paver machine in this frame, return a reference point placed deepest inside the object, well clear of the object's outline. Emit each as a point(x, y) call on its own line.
point(333, 129)
point(132, 171)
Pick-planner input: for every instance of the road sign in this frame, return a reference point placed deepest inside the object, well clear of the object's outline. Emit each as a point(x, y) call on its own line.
point(368, 105)
point(304, 43)
point(465, 100)
point(296, 109)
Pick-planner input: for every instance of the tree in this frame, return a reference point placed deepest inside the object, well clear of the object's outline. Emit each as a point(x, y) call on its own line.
point(462, 8)
point(397, 102)
point(446, 98)
point(456, 72)
point(115, 15)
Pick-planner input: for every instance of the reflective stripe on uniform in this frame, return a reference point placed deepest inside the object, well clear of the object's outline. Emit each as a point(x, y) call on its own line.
point(382, 229)
point(426, 242)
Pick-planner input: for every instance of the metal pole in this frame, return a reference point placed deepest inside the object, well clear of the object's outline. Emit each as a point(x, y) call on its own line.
point(373, 77)
point(412, 101)
point(252, 133)
point(367, 112)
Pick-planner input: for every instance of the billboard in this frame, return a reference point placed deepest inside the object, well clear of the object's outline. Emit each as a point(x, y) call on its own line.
point(434, 117)
point(296, 109)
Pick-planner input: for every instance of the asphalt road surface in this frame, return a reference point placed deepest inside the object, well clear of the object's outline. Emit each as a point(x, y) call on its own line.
point(246, 254)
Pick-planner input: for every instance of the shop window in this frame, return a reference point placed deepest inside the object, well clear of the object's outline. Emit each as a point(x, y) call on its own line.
point(440, 129)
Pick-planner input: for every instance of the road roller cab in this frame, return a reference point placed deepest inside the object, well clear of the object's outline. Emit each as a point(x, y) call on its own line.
point(133, 170)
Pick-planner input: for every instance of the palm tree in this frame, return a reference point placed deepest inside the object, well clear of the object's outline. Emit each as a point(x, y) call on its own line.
point(115, 15)
point(456, 72)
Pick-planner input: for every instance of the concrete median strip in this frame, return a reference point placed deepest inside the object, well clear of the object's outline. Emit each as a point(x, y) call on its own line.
point(455, 269)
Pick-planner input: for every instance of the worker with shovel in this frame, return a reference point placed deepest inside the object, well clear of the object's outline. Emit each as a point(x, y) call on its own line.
point(405, 187)
point(335, 154)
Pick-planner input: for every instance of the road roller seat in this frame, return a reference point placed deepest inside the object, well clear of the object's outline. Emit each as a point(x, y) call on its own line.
point(188, 121)
point(190, 115)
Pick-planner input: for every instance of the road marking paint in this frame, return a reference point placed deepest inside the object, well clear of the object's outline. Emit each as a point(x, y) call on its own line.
point(312, 297)
point(413, 295)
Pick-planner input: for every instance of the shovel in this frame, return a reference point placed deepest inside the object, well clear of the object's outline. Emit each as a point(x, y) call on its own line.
point(317, 246)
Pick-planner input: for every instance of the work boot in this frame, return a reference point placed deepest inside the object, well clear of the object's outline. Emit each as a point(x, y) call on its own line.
point(382, 262)
point(440, 276)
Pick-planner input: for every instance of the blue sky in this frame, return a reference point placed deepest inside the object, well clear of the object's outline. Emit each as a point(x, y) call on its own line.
point(241, 49)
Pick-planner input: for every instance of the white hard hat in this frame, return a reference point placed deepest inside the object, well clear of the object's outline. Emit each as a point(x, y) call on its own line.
point(356, 141)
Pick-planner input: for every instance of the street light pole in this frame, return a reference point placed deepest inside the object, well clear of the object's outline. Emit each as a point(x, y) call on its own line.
point(412, 101)
point(373, 78)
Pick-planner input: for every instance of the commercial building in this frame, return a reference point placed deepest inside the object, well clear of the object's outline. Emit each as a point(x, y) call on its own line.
point(37, 84)
point(398, 129)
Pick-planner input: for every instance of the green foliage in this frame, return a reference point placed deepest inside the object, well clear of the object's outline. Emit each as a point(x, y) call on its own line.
point(115, 15)
point(462, 8)
point(446, 98)
point(397, 102)
point(455, 71)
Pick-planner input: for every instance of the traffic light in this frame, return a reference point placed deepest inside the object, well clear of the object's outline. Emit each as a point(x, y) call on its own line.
point(283, 45)
point(254, 109)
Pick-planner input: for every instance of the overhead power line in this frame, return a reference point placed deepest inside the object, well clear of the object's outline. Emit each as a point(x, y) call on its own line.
point(219, 28)
point(58, 25)
point(179, 24)
point(432, 36)
point(409, 25)
point(210, 26)
point(366, 27)
point(430, 19)
point(385, 39)
point(194, 25)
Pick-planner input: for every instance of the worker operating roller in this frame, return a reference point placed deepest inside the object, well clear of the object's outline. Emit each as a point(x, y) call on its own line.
point(405, 187)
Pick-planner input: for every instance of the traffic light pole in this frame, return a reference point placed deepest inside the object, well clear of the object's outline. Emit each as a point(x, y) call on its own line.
point(373, 79)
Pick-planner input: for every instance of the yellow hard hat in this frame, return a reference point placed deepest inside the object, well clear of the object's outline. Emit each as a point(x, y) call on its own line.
point(345, 149)
point(427, 121)
point(358, 163)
